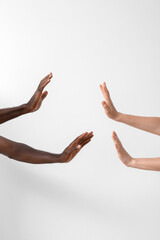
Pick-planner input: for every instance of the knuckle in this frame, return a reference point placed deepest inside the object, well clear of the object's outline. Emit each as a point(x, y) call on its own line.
point(39, 88)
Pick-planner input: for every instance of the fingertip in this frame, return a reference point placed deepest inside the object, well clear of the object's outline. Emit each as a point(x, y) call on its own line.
point(104, 103)
point(78, 147)
point(44, 95)
point(85, 133)
point(113, 136)
point(90, 132)
point(90, 137)
point(50, 75)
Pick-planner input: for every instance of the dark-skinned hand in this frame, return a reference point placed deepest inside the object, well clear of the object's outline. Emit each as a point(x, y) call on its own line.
point(38, 97)
point(71, 151)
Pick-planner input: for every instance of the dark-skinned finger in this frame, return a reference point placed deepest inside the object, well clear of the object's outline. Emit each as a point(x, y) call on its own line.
point(46, 78)
point(44, 95)
point(86, 138)
point(81, 136)
point(77, 139)
point(44, 82)
point(50, 75)
point(87, 135)
point(85, 142)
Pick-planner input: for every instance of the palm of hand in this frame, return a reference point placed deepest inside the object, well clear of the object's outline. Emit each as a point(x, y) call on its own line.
point(71, 151)
point(34, 104)
point(36, 100)
point(108, 105)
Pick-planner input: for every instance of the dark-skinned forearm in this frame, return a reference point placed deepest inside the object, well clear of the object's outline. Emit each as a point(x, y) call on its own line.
point(25, 153)
point(7, 114)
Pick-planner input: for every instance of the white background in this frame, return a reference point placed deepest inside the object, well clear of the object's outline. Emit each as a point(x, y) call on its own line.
point(94, 197)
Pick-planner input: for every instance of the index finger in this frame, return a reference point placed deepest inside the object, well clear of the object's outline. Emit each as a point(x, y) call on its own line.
point(75, 141)
point(44, 82)
point(105, 91)
point(87, 137)
point(116, 138)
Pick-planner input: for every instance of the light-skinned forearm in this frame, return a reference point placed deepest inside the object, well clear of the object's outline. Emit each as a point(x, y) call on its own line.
point(7, 114)
point(149, 124)
point(145, 163)
point(25, 153)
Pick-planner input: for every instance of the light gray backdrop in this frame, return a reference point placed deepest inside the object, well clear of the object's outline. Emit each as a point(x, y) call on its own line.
point(95, 197)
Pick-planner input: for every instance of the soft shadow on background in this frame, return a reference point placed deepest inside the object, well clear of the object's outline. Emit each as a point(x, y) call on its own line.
point(83, 43)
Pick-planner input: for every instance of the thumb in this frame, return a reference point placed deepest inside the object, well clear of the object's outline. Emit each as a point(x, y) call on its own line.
point(44, 95)
point(76, 148)
point(105, 106)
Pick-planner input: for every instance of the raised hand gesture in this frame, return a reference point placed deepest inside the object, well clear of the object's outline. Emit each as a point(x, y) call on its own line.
point(71, 151)
point(36, 100)
point(108, 106)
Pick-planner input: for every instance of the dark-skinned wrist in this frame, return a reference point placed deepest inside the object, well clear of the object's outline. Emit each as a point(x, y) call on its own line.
point(62, 158)
point(24, 109)
point(27, 108)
